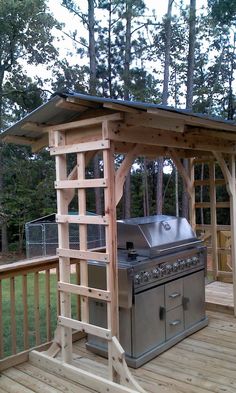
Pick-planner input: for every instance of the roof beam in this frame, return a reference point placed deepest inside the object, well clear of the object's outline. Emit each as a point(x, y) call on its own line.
point(204, 132)
point(158, 137)
point(83, 123)
point(120, 107)
point(193, 120)
point(19, 140)
point(153, 121)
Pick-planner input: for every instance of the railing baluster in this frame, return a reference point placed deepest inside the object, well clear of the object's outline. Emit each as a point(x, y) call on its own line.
point(36, 308)
point(78, 308)
point(1, 324)
point(58, 292)
point(13, 315)
point(25, 312)
point(48, 306)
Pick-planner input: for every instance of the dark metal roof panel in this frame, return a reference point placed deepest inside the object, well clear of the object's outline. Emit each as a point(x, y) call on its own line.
point(52, 113)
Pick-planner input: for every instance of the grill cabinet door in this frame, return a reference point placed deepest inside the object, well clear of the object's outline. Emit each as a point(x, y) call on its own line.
point(148, 320)
point(194, 298)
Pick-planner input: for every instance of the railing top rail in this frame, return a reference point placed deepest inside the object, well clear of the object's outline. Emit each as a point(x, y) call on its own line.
point(28, 264)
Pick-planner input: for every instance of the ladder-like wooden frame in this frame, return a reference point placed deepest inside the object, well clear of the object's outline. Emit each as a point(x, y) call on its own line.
point(120, 378)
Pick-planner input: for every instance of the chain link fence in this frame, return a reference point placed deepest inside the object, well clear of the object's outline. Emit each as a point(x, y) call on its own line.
point(42, 237)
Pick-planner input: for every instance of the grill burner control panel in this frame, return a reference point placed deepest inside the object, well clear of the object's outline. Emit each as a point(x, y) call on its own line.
point(167, 269)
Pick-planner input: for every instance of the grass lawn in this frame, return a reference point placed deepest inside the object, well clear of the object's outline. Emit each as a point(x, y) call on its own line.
point(6, 313)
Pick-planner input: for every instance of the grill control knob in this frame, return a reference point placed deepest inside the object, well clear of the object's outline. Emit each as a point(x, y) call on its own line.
point(175, 267)
point(195, 260)
point(156, 273)
point(182, 264)
point(137, 279)
point(168, 269)
point(146, 276)
point(188, 262)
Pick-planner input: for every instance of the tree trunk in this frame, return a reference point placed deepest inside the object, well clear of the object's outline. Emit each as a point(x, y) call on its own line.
point(92, 50)
point(165, 92)
point(126, 199)
point(4, 240)
point(189, 96)
point(191, 54)
point(159, 191)
point(109, 51)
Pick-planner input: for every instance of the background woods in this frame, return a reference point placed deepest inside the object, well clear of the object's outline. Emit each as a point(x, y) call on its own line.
point(120, 49)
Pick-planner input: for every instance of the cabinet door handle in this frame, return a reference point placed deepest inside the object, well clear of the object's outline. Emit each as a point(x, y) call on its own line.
point(162, 313)
point(185, 301)
point(176, 322)
point(174, 295)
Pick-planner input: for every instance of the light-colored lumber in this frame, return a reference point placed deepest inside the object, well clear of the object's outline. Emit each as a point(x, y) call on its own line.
point(85, 327)
point(85, 183)
point(85, 291)
point(80, 148)
point(83, 377)
point(48, 304)
point(84, 255)
point(25, 311)
point(213, 218)
point(119, 107)
point(36, 308)
point(13, 315)
point(82, 123)
point(152, 121)
point(123, 171)
point(63, 241)
point(82, 219)
point(160, 137)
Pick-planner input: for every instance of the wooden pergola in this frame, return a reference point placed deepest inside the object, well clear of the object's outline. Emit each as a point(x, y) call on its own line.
point(83, 126)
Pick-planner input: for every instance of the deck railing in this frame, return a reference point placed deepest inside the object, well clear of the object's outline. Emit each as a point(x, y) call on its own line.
point(29, 304)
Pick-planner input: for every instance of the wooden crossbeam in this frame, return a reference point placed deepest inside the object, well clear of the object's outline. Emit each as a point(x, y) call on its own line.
point(84, 183)
point(83, 123)
point(82, 219)
point(85, 291)
point(86, 255)
point(85, 327)
point(80, 147)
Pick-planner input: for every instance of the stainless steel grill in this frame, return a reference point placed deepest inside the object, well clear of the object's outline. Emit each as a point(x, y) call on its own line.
point(161, 267)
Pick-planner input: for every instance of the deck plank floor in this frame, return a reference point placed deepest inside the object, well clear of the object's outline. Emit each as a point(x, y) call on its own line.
point(202, 363)
point(219, 297)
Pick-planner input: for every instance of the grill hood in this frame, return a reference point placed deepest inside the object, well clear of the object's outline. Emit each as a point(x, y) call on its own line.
point(152, 235)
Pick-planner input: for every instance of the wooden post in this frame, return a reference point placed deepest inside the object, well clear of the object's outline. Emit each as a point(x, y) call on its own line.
point(213, 219)
point(233, 225)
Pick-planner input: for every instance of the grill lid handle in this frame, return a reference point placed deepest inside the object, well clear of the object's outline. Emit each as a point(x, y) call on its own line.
point(166, 225)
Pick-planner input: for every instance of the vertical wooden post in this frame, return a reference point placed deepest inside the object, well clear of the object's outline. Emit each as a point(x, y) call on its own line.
point(213, 219)
point(63, 241)
point(191, 191)
point(83, 236)
point(111, 249)
point(233, 225)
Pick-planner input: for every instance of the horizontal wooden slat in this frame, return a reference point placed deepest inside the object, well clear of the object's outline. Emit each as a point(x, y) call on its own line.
point(208, 205)
point(86, 255)
point(85, 327)
point(82, 147)
point(79, 219)
point(87, 183)
point(206, 182)
point(208, 227)
point(84, 291)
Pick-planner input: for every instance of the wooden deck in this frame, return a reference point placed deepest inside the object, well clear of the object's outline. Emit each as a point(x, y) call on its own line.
point(202, 363)
point(219, 297)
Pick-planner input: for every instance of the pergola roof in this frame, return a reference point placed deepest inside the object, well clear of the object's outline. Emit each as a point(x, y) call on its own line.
point(68, 107)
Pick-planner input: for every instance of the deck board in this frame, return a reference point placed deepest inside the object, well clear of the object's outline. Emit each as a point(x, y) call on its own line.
point(202, 363)
point(219, 297)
